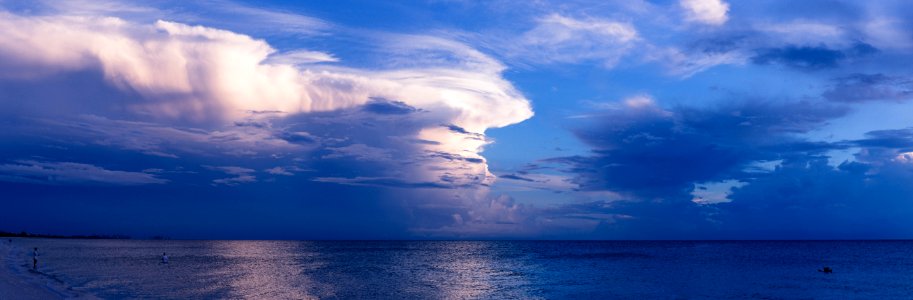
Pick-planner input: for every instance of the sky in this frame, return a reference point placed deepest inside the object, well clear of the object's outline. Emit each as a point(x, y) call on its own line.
point(452, 119)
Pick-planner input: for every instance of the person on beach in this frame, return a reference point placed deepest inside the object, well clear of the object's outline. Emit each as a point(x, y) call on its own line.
point(164, 258)
point(35, 259)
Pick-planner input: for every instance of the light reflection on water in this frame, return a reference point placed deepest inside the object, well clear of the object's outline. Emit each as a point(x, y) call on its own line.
point(474, 269)
point(469, 272)
point(279, 269)
point(269, 269)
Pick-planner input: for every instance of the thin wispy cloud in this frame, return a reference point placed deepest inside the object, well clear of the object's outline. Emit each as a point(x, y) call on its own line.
point(71, 173)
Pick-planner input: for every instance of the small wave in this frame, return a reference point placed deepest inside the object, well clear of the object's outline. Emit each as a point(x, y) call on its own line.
point(599, 255)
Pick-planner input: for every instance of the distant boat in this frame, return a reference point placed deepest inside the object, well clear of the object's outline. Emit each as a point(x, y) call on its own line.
point(827, 270)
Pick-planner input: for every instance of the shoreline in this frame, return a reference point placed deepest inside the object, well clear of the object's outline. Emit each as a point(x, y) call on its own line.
point(17, 281)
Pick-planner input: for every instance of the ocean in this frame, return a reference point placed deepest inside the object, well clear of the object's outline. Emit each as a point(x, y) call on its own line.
point(472, 269)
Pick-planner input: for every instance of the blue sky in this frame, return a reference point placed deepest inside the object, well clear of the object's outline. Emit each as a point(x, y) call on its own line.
point(691, 119)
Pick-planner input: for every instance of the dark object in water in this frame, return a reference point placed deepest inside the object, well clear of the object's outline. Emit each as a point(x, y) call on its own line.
point(35, 259)
point(826, 269)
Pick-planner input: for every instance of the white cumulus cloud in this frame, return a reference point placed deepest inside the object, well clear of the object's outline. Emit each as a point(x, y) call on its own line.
point(712, 12)
point(205, 74)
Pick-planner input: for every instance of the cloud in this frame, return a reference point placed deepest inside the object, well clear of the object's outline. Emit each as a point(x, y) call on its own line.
point(91, 8)
point(857, 88)
point(239, 139)
point(390, 127)
point(807, 198)
point(181, 71)
point(811, 58)
point(838, 35)
point(220, 13)
point(714, 192)
point(417, 51)
point(735, 170)
point(209, 107)
point(483, 217)
point(562, 39)
point(358, 152)
point(384, 182)
point(711, 12)
point(889, 32)
point(241, 175)
point(805, 32)
point(301, 57)
point(264, 19)
point(70, 173)
point(383, 106)
point(685, 64)
point(525, 181)
point(232, 170)
point(279, 171)
point(202, 74)
point(195, 91)
point(409, 147)
point(645, 151)
point(887, 138)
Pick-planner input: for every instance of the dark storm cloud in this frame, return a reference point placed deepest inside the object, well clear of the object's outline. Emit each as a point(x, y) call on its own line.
point(807, 198)
point(647, 151)
point(365, 166)
point(811, 57)
point(110, 169)
point(357, 148)
point(342, 163)
point(655, 157)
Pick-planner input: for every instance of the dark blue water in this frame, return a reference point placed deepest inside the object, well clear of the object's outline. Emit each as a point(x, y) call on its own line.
point(478, 269)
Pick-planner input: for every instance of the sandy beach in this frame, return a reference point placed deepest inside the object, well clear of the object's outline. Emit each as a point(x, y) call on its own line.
point(16, 282)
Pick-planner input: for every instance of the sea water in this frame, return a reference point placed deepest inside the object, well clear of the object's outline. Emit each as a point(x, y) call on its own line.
point(475, 269)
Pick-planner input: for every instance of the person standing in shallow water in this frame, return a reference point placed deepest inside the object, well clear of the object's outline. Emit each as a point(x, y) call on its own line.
point(164, 258)
point(35, 259)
